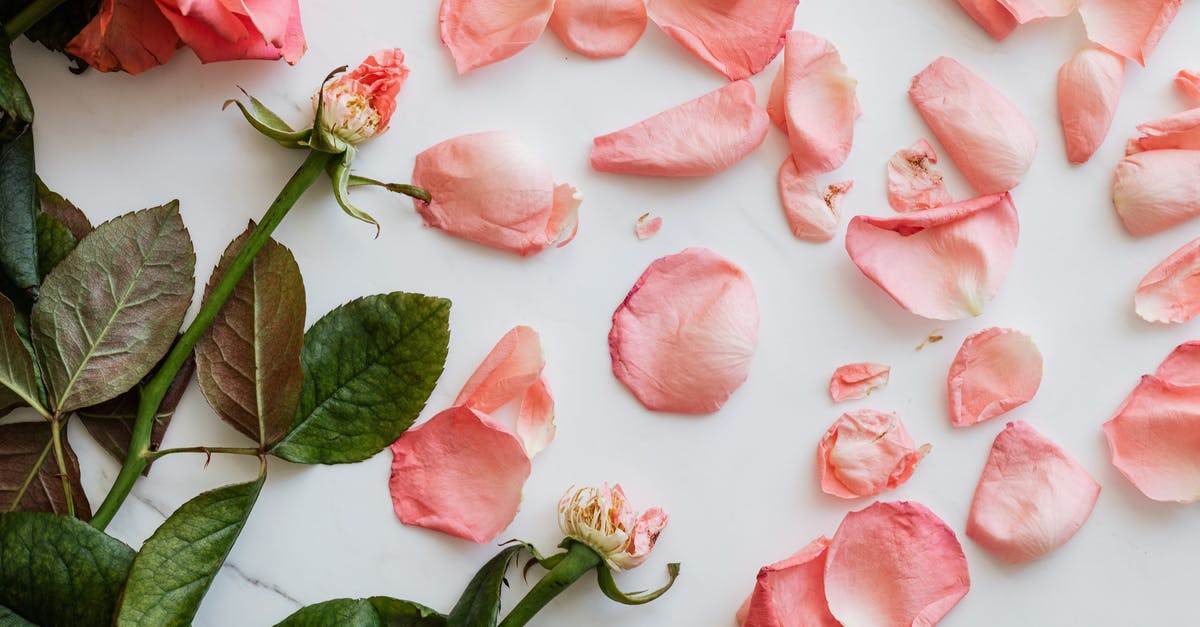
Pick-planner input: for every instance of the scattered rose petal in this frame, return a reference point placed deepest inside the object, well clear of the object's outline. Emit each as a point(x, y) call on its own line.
point(535, 419)
point(1170, 293)
point(482, 32)
point(647, 227)
point(790, 593)
point(1130, 28)
point(1026, 11)
point(1031, 498)
point(991, 15)
point(995, 371)
point(701, 137)
point(126, 35)
point(812, 213)
point(820, 105)
point(599, 28)
point(1089, 87)
point(854, 381)
point(866, 452)
point(943, 263)
point(737, 37)
point(894, 564)
point(1181, 131)
point(1182, 366)
point(1188, 82)
point(913, 184)
point(984, 134)
point(490, 189)
point(1156, 190)
point(683, 338)
point(513, 366)
point(1155, 440)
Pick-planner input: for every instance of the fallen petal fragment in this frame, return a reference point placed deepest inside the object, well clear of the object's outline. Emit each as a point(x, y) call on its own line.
point(1130, 28)
point(1170, 293)
point(820, 105)
point(647, 227)
point(913, 184)
point(812, 213)
point(1089, 88)
point(995, 371)
point(865, 453)
point(737, 37)
point(1155, 440)
point(1181, 131)
point(599, 29)
point(854, 381)
point(482, 32)
point(791, 592)
point(1156, 190)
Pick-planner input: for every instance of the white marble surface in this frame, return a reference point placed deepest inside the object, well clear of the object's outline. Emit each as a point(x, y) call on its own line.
point(740, 485)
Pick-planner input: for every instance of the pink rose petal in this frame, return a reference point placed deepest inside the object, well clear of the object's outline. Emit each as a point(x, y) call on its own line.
point(812, 213)
point(482, 32)
point(1089, 88)
point(1026, 11)
point(913, 184)
point(943, 263)
point(1155, 440)
point(866, 452)
point(535, 419)
point(599, 28)
point(701, 137)
point(1181, 131)
point(1156, 190)
point(854, 381)
point(1130, 28)
point(1170, 293)
point(791, 592)
point(737, 37)
point(1031, 498)
point(511, 368)
point(894, 564)
point(984, 134)
point(820, 105)
point(647, 227)
point(1182, 366)
point(683, 338)
point(775, 101)
point(995, 371)
point(219, 30)
point(991, 15)
point(1188, 82)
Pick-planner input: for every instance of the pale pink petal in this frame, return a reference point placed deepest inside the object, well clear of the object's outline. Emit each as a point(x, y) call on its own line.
point(1155, 440)
point(1026, 11)
point(984, 134)
point(1130, 28)
point(647, 227)
point(1156, 190)
point(1182, 366)
point(599, 28)
point(1181, 131)
point(1031, 498)
point(1089, 87)
point(991, 15)
point(535, 419)
point(512, 366)
point(812, 213)
point(700, 137)
point(995, 371)
point(459, 473)
point(1171, 291)
point(1188, 82)
point(737, 37)
point(791, 592)
point(943, 263)
point(126, 36)
point(643, 535)
point(564, 217)
point(866, 452)
point(913, 184)
point(819, 104)
point(894, 564)
point(683, 338)
point(482, 32)
point(854, 381)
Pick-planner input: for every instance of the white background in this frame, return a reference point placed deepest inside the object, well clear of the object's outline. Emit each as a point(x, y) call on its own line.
point(740, 485)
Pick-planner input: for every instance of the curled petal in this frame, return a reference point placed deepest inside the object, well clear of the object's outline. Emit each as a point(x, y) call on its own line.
point(125, 36)
point(995, 371)
point(701, 137)
point(819, 104)
point(913, 184)
point(737, 37)
point(1155, 440)
point(683, 338)
point(984, 134)
point(854, 381)
point(1026, 11)
point(1188, 82)
point(482, 32)
point(599, 28)
point(1171, 291)
point(647, 227)
point(991, 15)
point(791, 592)
point(943, 263)
point(812, 213)
point(511, 368)
point(1089, 88)
point(1130, 28)
point(218, 30)
point(1156, 190)
point(1181, 131)
point(564, 216)
point(535, 419)
point(867, 452)
point(1031, 498)
point(1182, 366)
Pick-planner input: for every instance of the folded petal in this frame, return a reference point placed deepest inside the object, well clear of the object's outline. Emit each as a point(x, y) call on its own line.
point(865, 453)
point(812, 213)
point(1089, 88)
point(1155, 440)
point(1188, 82)
point(995, 371)
point(775, 103)
point(535, 419)
point(599, 28)
point(894, 564)
point(1031, 498)
point(943, 263)
point(913, 184)
point(1171, 291)
point(647, 227)
point(1182, 366)
point(683, 338)
point(737, 37)
point(513, 366)
point(854, 381)
point(994, 17)
point(820, 105)
point(126, 36)
point(564, 216)
point(701, 137)
point(482, 32)
point(1156, 190)
point(1181, 131)
point(1026, 11)
point(791, 592)
point(984, 134)
point(1130, 28)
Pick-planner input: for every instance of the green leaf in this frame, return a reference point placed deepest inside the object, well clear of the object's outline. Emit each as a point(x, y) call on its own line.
point(174, 569)
point(64, 211)
point(18, 211)
point(372, 612)
point(29, 479)
point(16, 110)
point(479, 605)
point(369, 366)
point(18, 374)
point(248, 362)
point(60, 26)
point(55, 242)
point(111, 309)
point(60, 571)
point(8, 618)
point(265, 121)
point(339, 173)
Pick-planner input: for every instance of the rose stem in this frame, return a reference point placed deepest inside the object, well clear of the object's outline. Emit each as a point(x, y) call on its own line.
point(580, 558)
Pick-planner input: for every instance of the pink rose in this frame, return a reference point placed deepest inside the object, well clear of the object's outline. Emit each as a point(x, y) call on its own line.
point(360, 103)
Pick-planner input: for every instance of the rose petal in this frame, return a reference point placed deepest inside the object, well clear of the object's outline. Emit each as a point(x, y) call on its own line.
point(894, 564)
point(995, 371)
point(991, 15)
point(701, 137)
point(1181, 131)
point(512, 367)
point(812, 213)
point(854, 381)
point(217, 30)
point(819, 104)
point(1182, 366)
point(459, 473)
point(1171, 291)
point(535, 419)
point(1156, 190)
point(127, 36)
point(791, 592)
point(683, 338)
point(943, 263)
point(1155, 440)
point(1026, 11)
point(866, 452)
point(599, 28)
point(1130, 28)
point(1089, 87)
point(913, 184)
point(1031, 498)
point(564, 216)
point(775, 101)
point(645, 229)
point(737, 37)
point(482, 32)
point(1188, 82)
point(984, 134)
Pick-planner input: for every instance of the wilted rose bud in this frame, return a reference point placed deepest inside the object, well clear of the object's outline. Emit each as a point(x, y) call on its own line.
point(602, 519)
point(359, 104)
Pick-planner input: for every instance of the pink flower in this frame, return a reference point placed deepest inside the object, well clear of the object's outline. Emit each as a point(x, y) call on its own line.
point(995, 371)
point(359, 104)
point(1170, 293)
point(865, 453)
point(599, 28)
point(913, 184)
point(813, 214)
point(1089, 87)
point(854, 381)
point(790, 593)
point(737, 37)
point(1156, 190)
point(602, 519)
point(1130, 28)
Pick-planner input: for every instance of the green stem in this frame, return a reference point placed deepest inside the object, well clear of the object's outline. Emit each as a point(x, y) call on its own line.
point(154, 391)
point(29, 16)
point(207, 450)
point(579, 559)
point(56, 439)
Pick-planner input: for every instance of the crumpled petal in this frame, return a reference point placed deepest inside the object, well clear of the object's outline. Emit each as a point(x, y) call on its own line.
point(1031, 498)
point(490, 189)
point(1026, 11)
point(894, 564)
point(854, 381)
point(1181, 131)
point(599, 29)
point(1188, 82)
point(791, 592)
point(1170, 293)
point(126, 35)
point(1130, 28)
point(812, 213)
point(700, 137)
point(459, 473)
point(1156, 190)
point(866, 452)
point(647, 227)
point(482, 32)
point(1154, 440)
point(995, 371)
point(1182, 366)
point(535, 418)
point(1089, 88)
point(913, 184)
point(989, 140)
point(683, 338)
point(737, 37)
point(991, 15)
point(820, 104)
point(943, 263)
point(513, 366)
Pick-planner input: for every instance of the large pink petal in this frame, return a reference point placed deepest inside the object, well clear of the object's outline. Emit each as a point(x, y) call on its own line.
point(913, 184)
point(854, 381)
point(683, 338)
point(1182, 366)
point(1188, 82)
point(737, 37)
point(1181, 131)
point(1171, 291)
point(512, 366)
point(1156, 190)
point(819, 104)
point(1026, 11)
point(535, 419)
point(791, 592)
point(984, 134)
point(599, 28)
point(700, 137)
point(458, 473)
point(866, 452)
point(126, 35)
point(1031, 498)
point(1089, 88)
point(482, 32)
point(1130, 28)
point(991, 15)
point(1155, 440)
point(995, 371)
point(943, 263)
point(812, 213)
point(894, 564)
